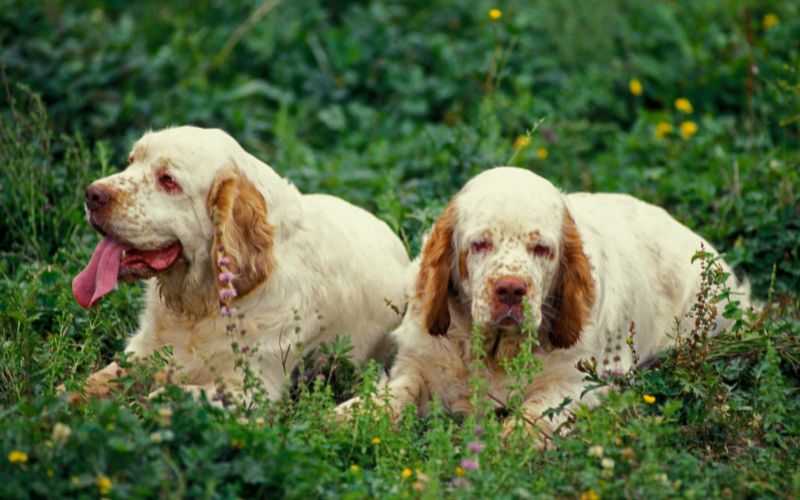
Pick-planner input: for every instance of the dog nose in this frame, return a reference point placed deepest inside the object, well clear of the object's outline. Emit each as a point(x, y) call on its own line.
point(97, 197)
point(509, 291)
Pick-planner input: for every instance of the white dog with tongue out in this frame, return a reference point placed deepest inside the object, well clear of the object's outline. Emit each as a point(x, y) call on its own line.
point(306, 268)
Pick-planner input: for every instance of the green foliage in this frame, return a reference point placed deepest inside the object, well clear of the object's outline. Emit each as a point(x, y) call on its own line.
point(393, 106)
point(41, 202)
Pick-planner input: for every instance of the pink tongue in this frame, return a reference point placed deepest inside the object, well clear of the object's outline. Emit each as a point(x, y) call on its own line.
point(100, 275)
point(157, 259)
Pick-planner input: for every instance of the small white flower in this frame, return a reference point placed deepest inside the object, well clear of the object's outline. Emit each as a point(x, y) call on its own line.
point(607, 463)
point(159, 437)
point(596, 451)
point(165, 415)
point(61, 433)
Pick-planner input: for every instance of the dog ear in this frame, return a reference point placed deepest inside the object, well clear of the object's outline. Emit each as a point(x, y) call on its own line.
point(433, 282)
point(575, 288)
point(241, 229)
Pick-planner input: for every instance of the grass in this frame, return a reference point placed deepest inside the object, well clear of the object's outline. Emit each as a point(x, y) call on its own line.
point(393, 107)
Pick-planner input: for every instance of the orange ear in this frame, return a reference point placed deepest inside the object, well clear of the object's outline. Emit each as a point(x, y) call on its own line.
point(434, 273)
point(575, 291)
point(243, 230)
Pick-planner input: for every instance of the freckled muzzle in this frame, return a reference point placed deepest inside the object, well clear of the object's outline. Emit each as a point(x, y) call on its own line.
point(507, 296)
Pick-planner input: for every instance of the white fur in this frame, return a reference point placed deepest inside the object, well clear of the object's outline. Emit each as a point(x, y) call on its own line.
point(641, 266)
point(335, 266)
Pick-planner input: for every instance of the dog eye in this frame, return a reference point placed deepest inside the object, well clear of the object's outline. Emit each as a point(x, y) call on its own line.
point(168, 183)
point(541, 251)
point(480, 246)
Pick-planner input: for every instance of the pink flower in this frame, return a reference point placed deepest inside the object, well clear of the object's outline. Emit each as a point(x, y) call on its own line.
point(227, 293)
point(226, 276)
point(223, 261)
point(475, 447)
point(469, 463)
point(227, 311)
point(478, 430)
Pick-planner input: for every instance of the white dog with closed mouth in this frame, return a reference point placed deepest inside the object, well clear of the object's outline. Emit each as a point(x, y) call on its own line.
point(589, 266)
point(306, 268)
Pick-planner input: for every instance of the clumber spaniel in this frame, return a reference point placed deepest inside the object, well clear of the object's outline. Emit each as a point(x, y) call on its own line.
point(306, 268)
point(588, 265)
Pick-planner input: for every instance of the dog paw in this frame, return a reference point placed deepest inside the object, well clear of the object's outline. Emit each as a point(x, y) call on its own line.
point(72, 398)
point(344, 411)
point(537, 433)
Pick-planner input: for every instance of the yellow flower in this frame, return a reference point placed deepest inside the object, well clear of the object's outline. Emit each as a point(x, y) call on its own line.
point(636, 86)
point(459, 471)
point(649, 399)
point(355, 469)
point(376, 440)
point(237, 443)
point(542, 153)
point(590, 495)
point(688, 129)
point(17, 457)
point(406, 473)
point(522, 141)
point(770, 21)
point(103, 484)
point(683, 105)
point(662, 129)
point(495, 14)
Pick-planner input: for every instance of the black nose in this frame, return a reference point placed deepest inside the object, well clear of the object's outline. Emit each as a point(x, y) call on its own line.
point(97, 197)
point(509, 291)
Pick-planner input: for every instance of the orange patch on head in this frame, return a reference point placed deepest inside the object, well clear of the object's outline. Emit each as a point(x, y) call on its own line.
point(138, 153)
point(433, 282)
point(575, 290)
point(161, 164)
point(463, 272)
